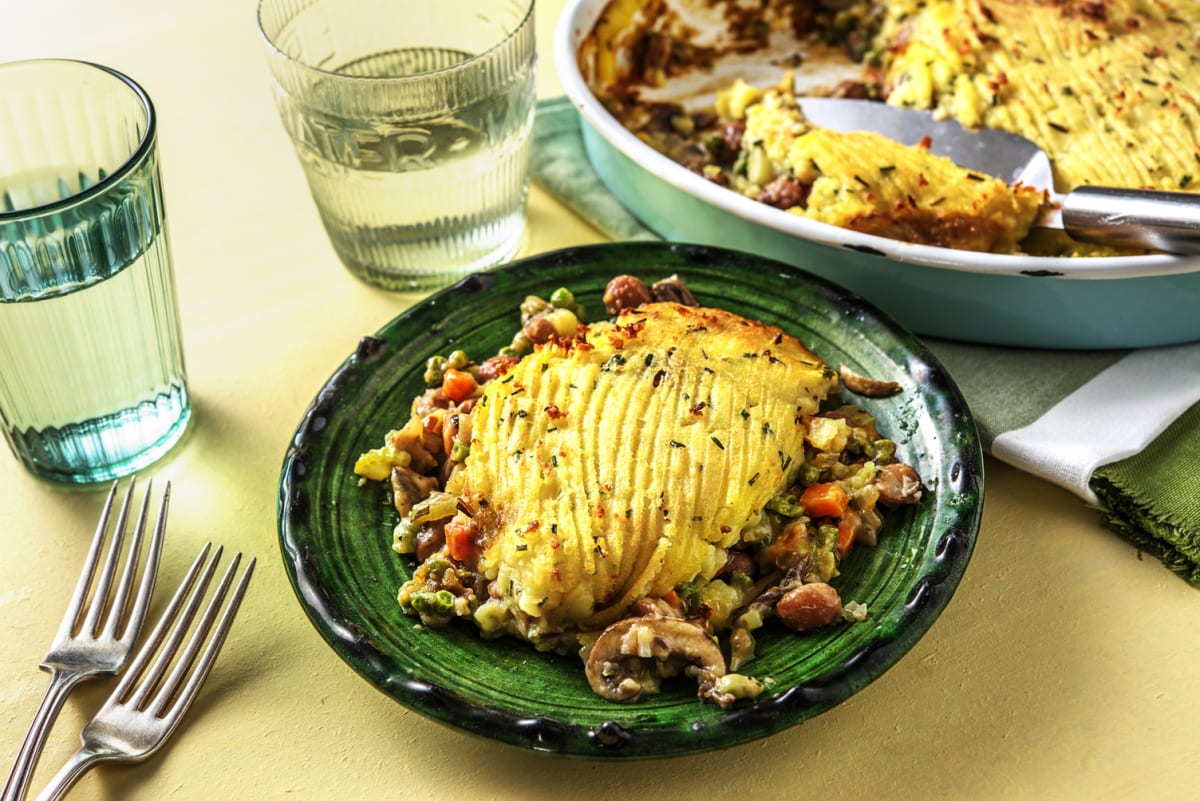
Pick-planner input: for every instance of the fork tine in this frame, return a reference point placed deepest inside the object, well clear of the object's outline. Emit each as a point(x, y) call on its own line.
point(145, 587)
point(75, 606)
point(91, 623)
point(186, 665)
point(151, 646)
point(116, 605)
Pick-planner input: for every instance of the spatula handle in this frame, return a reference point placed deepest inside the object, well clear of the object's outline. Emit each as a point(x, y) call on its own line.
point(1135, 218)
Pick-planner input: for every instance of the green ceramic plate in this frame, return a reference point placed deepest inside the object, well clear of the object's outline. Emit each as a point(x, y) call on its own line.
point(336, 535)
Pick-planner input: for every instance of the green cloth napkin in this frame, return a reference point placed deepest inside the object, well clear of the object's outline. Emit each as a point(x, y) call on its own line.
point(1120, 429)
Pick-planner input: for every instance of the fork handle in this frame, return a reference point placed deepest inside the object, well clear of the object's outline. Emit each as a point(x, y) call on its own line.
point(61, 684)
point(79, 763)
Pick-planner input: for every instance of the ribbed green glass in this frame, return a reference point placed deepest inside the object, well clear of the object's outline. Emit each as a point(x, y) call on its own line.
point(92, 379)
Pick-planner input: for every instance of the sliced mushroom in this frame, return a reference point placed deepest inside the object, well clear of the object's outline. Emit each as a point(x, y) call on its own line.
point(632, 656)
point(898, 484)
point(868, 387)
point(410, 488)
point(672, 290)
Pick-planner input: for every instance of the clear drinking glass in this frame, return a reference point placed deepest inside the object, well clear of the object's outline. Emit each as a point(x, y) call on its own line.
point(412, 120)
point(92, 381)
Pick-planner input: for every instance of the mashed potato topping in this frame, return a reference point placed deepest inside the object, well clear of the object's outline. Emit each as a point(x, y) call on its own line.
point(867, 182)
point(1110, 89)
point(625, 462)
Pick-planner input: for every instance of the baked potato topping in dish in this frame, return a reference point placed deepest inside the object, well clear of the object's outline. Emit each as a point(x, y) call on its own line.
point(1110, 89)
point(860, 180)
point(635, 488)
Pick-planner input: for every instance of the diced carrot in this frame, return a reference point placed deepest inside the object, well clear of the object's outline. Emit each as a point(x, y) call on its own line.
point(672, 598)
point(824, 500)
point(458, 384)
point(460, 538)
point(847, 531)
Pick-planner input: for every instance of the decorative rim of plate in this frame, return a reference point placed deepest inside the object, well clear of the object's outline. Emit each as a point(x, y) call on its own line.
point(621, 731)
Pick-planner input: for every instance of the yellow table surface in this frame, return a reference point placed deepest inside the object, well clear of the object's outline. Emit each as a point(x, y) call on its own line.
point(1064, 667)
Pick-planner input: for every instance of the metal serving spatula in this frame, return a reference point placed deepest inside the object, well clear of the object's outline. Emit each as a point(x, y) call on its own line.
point(1134, 218)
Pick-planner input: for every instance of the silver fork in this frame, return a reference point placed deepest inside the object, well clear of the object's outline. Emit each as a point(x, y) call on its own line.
point(98, 630)
point(148, 703)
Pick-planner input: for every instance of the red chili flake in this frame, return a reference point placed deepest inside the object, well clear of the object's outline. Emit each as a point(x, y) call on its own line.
point(632, 329)
point(554, 413)
point(925, 142)
point(725, 529)
point(658, 377)
point(698, 408)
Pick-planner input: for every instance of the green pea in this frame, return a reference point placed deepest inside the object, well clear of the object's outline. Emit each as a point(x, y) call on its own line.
point(458, 360)
point(562, 298)
point(433, 371)
point(460, 452)
point(531, 306)
point(443, 602)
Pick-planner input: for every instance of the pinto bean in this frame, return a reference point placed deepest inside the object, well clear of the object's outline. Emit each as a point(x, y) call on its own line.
point(625, 292)
point(784, 193)
point(430, 539)
point(539, 329)
point(809, 606)
point(898, 484)
point(731, 137)
point(495, 367)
